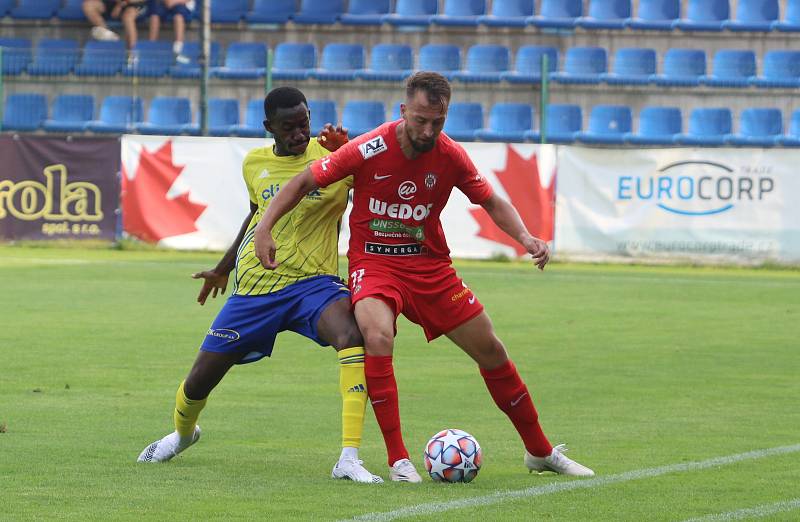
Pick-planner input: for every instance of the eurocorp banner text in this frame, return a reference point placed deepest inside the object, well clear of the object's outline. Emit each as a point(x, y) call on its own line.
point(54, 188)
point(715, 205)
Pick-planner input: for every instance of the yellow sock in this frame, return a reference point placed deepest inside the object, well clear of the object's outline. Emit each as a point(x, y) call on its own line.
point(186, 413)
point(353, 387)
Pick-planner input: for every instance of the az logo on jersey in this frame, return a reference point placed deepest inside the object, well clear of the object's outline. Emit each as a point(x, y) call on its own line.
point(373, 147)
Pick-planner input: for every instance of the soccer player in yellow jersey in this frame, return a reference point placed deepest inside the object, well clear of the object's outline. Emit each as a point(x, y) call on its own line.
point(305, 295)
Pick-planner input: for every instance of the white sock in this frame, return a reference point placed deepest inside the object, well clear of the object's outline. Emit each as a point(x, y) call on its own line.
point(177, 47)
point(349, 453)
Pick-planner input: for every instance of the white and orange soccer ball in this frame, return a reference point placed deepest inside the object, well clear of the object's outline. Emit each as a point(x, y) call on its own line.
point(453, 456)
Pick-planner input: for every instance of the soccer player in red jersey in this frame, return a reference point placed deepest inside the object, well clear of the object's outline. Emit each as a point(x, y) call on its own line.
point(404, 172)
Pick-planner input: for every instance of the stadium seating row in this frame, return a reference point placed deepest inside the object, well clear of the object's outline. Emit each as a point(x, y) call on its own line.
point(395, 62)
point(701, 15)
point(508, 122)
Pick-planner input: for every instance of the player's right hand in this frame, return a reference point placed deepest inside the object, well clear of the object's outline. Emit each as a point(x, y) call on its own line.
point(265, 248)
point(332, 138)
point(212, 283)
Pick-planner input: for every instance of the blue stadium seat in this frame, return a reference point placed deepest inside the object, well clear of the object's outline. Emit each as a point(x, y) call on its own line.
point(17, 55)
point(150, 59)
point(508, 122)
point(389, 63)
point(563, 124)
point(35, 9)
point(461, 13)
point(442, 58)
point(319, 12)
point(359, 116)
point(101, 59)
point(632, 66)
point(754, 15)
point(167, 115)
point(732, 68)
point(657, 126)
point(223, 118)
point(791, 18)
point(758, 128)
point(24, 112)
point(707, 127)
point(118, 115)
point(508, 13)
point(340, 62)
point(191, 50)
point(243, 60)
point(365, 12)
point(705, 15)
point(682, 67)
point(792, 138)
point(657, 15)
point(606, 14)
point(485, 64)
point(558, 14)
point(294, 61)
point(253, 121)
point(5, 6)
point(229, 11)
point(413, 12)
point(270, 12)
point(582, 65)
point(71, 10)
point(464, 119)
point(781, 69)
point(322, 112)
point(528, 67)
point(608, 124)
point(54, 57)
point(71, 113)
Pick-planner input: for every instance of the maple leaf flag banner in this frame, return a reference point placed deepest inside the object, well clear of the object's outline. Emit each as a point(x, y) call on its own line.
point(188, 193)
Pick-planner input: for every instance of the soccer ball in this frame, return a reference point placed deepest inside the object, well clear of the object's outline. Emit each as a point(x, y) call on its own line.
point(453, 456)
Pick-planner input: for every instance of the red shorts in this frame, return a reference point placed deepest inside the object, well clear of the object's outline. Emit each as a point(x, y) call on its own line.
point(438, 300)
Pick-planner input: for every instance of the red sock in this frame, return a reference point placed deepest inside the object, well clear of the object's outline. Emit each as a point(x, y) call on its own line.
point(382, 390)
point(511, 395)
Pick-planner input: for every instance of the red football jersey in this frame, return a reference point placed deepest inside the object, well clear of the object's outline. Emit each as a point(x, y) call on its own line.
point(396, 201)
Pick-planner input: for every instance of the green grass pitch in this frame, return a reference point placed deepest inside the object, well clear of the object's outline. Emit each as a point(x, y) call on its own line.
point(633, 367)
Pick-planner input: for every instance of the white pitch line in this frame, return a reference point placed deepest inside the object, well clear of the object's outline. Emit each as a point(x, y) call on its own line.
point(557, 487)
point(756, 512)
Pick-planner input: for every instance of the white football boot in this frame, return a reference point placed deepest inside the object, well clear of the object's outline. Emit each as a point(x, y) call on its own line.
point(352, 469)
point(558, 463)
point(404, 471)
point(164, 449)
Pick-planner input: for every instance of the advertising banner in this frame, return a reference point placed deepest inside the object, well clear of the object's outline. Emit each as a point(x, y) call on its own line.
point(54, 188)
point(715, 205)
point(188, 193)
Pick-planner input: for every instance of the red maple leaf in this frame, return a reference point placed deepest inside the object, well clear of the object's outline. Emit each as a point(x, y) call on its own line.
point(535, 203)
point(147, 212)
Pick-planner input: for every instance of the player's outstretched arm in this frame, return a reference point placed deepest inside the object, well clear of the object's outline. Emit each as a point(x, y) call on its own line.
point(216, 280)
point(288, 197)
point(507, 218)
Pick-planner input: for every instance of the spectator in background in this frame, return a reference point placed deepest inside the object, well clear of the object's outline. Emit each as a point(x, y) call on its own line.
point(124, 10)
point(180, 11)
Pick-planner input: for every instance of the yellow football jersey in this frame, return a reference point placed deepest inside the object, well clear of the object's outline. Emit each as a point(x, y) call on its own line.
point(306, 238)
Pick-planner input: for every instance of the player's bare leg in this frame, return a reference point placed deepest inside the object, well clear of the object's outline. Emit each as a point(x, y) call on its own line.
point(207, 371)
point(337, 327)
point(477, 338)
point(376, 321)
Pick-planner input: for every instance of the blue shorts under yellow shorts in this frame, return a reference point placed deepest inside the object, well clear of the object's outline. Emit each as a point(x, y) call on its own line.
point(249, 324)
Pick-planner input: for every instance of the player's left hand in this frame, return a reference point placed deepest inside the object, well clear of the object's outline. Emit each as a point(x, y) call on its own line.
point(332, 137)
point(538, 250)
